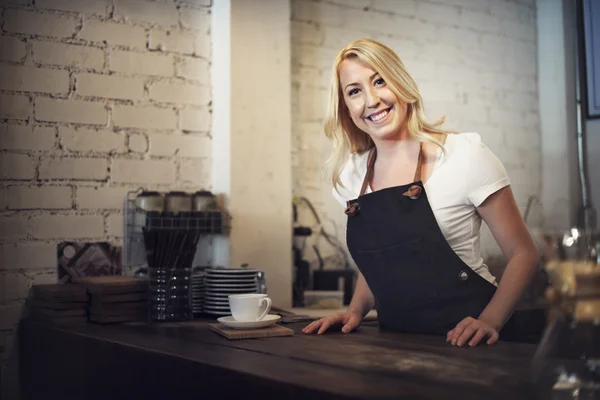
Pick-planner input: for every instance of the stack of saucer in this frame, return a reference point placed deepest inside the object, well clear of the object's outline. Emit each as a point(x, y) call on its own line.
point(198, 288)
point(221, 282)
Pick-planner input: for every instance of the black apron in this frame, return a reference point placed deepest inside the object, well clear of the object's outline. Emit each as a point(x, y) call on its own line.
point(419, 283)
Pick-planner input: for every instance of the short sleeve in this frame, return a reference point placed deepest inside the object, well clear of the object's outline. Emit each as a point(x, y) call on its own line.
point(486, 174)
point(351, 176)
point(340, 199)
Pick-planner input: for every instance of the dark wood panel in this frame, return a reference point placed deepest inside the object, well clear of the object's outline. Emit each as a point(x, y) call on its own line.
point(185, 360)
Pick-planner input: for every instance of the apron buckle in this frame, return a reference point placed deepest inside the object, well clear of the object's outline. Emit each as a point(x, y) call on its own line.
point(414, 192)
point(352, 209)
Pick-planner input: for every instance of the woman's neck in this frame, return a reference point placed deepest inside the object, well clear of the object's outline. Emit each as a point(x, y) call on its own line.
point(401, 147)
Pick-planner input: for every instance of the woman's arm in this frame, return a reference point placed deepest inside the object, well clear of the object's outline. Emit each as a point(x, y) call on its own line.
point(502, 215)
point(362, 302)
point(363, 299)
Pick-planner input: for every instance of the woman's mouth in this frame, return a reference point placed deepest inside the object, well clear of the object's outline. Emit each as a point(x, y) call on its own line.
point(379, 116)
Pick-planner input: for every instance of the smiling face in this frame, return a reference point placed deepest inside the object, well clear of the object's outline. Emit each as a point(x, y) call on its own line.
point(372, 106)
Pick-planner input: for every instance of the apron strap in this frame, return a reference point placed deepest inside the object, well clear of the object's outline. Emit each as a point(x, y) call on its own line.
point(371, 164)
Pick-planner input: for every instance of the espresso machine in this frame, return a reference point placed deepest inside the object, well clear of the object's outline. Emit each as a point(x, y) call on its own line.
point(567, 361)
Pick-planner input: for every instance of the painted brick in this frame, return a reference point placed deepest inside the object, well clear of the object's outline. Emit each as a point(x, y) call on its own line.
point(313, 103)
point(81, 112)
point(113, 87)
point(33, 79)
point(479, 21)
point(511, 10)
point(457, 37)
point(32, 23)
point(101, 7)
point(3, 199)
point(196, 19)
point(67, 226)
point(335, 38)
point(28, 256)
point(202, 46)
point(88, 140)
point(101, 198)
point(68, 55)
point(204, 3)
point(39, 197)
point(12, 49)
point(16, 166)
point(138, 143)
point(14, 286)
point(180, 93)
point(355, 3)
point(14, 106)
point(180, 145)
point(16, 2)
point(144, 117)
point(405, 48)
point(114, 225)
point(13, 227)
point(45, 277)
point(172, 41)
point(315, 57)
point(406, 7)
point(196, 120)
point(113, 33)
point(141, 63)
point(194, 68)
point(522, 101)
point(195, 172)
point(482, 6)
point(147, 12)
point(438, 13)
point(526, 84)
point(326, 14)
point(21, 137)
point(10, 316)
point(74, 168)
point(505, 117)
point(142, 171)
point(309, 77)
point(309, 33)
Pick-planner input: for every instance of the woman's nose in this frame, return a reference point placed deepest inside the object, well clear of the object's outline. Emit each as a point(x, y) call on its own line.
point(372, 98)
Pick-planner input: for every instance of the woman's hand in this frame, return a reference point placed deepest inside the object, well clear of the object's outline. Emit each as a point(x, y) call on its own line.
point(472, 330)
point(350, 320)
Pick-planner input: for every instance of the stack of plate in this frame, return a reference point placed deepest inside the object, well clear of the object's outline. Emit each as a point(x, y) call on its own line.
point(198, 289)
point(221, 282)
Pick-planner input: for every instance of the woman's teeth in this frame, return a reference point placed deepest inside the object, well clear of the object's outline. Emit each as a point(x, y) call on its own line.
point(378, 116)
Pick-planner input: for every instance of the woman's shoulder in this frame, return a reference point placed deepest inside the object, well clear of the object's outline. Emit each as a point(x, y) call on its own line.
point(463, 140)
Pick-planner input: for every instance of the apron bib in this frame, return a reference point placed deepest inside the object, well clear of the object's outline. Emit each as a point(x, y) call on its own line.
point(419, 283)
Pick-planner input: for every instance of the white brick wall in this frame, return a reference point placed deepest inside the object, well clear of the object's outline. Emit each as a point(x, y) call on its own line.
point(67, 55)
point(85, 86)
point(474, 61)
point(39, 197)
point(14, 107)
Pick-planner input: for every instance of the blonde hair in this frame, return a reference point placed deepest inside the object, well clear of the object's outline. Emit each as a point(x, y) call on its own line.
point(345, 136)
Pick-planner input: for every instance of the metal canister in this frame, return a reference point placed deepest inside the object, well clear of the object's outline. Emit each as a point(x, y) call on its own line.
point(204, 200)
point(178, 202)
point(149, 201)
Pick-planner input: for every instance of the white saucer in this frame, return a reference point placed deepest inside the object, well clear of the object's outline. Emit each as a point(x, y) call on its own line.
point(268, 320)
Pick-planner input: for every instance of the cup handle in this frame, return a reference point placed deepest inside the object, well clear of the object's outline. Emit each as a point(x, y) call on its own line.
point(264, 300)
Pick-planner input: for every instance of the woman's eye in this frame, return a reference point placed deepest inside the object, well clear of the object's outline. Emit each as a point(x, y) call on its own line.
point(353, 92)
point(379, 81)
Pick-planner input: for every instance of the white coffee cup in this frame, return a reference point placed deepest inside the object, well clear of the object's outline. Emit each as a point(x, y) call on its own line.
point(249, 307)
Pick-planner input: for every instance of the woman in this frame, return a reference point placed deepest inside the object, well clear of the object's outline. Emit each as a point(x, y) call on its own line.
point(415, 196)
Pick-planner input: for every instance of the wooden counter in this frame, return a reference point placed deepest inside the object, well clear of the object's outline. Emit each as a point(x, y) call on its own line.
point(188, 361)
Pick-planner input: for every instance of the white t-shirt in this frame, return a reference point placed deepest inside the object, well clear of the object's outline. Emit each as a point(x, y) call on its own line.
point(461, 180)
